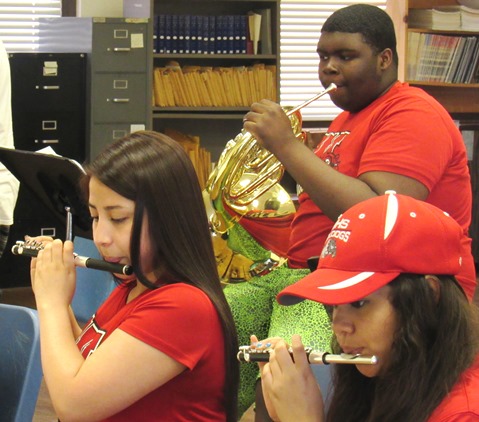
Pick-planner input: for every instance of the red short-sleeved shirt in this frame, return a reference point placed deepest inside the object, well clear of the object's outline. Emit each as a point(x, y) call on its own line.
point(407, 132)
point(181, 321)
point(462, 403)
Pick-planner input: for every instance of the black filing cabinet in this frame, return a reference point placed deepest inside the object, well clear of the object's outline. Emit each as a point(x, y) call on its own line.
point(48, 102)
point(48, 109)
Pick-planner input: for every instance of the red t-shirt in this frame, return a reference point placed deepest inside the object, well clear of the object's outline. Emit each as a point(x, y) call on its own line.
point(406, 132)
point(462, 403)
point(181, 321)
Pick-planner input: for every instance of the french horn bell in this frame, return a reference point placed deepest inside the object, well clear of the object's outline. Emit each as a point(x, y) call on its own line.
point(245, 181)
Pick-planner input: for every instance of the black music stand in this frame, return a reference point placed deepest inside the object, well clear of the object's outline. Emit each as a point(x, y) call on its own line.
point(54, 180)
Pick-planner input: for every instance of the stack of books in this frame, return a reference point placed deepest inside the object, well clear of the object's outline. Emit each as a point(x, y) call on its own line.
point(200, 157)
point(469, 19)
point(213, 34)
point(443, 58)
point(205, 86)
point(448, 18)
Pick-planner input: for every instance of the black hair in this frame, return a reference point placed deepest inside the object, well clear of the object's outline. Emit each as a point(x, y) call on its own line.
point(437, 339)
point(373, 23)
point(155, 172)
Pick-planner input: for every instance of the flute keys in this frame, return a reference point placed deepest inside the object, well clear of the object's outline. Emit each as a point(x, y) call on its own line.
point(30, 244)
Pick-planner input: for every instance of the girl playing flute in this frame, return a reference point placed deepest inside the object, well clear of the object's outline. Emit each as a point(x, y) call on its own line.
point(162, 346)
point(387, 269)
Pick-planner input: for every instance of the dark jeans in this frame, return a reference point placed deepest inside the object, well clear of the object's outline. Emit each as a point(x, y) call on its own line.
point(4, 230)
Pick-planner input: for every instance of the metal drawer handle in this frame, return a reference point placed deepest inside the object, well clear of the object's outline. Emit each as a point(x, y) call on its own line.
point(47, 141)
point(48, 87)
point(121, 49)
point(121, 100)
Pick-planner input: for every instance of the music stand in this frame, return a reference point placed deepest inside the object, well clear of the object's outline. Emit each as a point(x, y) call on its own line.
point(54, 180)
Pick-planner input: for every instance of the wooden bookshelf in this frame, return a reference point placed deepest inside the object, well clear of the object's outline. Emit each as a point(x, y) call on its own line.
point(215, 125)
point(461, 100)
point(429, 4)
point(458, 99)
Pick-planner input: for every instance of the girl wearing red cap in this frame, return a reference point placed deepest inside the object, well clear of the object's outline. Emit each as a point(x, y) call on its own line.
point(395, 297)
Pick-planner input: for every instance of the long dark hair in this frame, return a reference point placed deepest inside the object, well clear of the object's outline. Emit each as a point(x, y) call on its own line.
point(154, 171)
point(437, 339)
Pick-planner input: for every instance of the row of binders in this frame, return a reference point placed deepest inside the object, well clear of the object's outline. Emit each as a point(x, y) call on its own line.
point(443, 58)
point(452, 18)
point(199, 156)
point(210, 34)
point(204, 86)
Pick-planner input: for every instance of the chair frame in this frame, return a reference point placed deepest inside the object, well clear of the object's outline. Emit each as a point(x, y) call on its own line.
point(20, 363)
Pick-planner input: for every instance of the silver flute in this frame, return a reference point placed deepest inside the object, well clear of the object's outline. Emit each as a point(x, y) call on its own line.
point(31, 250)
point(248, 354)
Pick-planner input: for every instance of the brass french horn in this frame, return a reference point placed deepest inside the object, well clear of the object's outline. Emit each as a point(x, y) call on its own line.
point(244, 188)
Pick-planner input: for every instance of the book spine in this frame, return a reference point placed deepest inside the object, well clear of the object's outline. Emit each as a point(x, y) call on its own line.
point(181, 34)
point(236, 35)
point(224, 36)
point(168, 34)
point(199, 36)
point(265, 32)
point(174, 34)
point(187, 34)
point(205, 34)
point(243, 24)
point(230, 27)
point(451, 75)
point(155, 34)
point(194, 34)
point(160, 34)
point(220, 29)
point(212, 34)
point(472, 68)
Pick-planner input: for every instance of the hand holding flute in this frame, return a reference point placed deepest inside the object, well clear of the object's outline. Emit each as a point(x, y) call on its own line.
point(290, 377)
point(288, 368)
point(25, 249)
point(53, 275)
point(55, 268)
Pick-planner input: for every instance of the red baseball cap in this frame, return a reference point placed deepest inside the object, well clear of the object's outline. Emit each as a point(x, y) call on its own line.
point(372, 243)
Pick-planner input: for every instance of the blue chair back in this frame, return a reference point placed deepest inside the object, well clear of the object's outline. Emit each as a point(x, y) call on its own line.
point(20, 365)
point(323, 376)
point(93, 286)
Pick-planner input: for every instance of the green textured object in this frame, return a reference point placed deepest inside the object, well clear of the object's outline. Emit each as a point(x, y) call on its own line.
point(240, 241)
point(256, 311)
